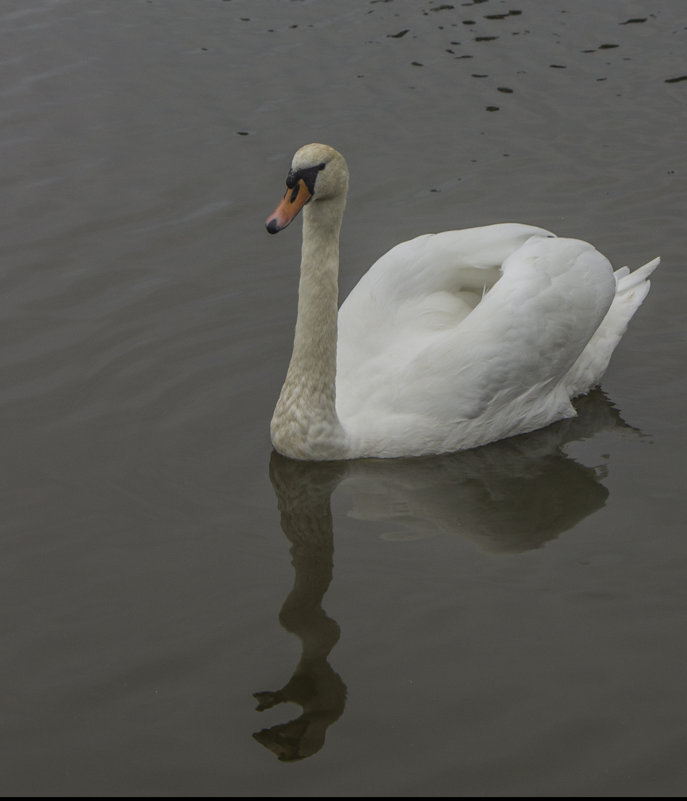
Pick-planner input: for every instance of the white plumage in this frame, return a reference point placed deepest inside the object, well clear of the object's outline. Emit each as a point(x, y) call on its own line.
point(449, 341)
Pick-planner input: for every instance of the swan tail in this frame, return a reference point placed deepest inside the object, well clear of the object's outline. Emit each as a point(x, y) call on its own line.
point(631, 289)
point(627, 282)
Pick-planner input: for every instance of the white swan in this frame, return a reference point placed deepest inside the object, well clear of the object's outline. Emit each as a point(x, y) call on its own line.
point(449, 341)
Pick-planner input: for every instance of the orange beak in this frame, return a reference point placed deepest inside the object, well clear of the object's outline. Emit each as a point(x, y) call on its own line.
point(293, 201)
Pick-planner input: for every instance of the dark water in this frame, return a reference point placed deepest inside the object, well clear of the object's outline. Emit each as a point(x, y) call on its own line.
point(179, 607)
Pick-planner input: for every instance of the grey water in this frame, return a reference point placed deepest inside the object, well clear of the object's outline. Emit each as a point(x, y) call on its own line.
point(185, 613)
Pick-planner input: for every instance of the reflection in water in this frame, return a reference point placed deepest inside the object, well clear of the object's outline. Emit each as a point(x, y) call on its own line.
point(303, 492)
point(508, 497)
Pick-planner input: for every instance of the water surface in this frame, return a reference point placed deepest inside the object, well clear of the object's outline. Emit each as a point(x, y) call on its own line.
point(186, 613)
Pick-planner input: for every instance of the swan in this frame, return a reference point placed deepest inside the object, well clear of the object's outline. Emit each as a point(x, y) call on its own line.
point(450, 340)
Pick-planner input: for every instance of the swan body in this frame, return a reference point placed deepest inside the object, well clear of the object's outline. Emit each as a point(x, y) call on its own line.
point(449, 341)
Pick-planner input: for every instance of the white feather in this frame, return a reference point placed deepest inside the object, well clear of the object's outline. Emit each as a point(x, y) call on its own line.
point(450, 340)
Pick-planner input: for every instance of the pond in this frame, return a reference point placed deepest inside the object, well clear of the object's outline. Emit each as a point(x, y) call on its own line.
point(185, 612)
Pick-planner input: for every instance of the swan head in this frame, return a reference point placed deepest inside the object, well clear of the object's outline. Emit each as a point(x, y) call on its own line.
point(318, 173)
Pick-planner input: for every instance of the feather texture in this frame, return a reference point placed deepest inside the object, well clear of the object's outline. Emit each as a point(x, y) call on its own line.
point(449, 341)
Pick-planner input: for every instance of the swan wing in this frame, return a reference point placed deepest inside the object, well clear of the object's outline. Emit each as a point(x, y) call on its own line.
point(460, 376)
point(421, 286)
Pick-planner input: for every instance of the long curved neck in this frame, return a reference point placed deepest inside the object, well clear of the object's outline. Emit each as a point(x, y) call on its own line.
point(305, 424)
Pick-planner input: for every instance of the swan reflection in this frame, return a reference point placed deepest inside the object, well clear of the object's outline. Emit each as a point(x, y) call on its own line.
point(303, 492)
point(508, 497)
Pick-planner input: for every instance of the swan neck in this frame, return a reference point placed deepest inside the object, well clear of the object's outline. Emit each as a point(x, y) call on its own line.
point(305, 423)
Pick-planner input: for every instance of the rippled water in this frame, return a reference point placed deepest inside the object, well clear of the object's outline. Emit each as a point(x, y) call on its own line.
point(185, 613)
